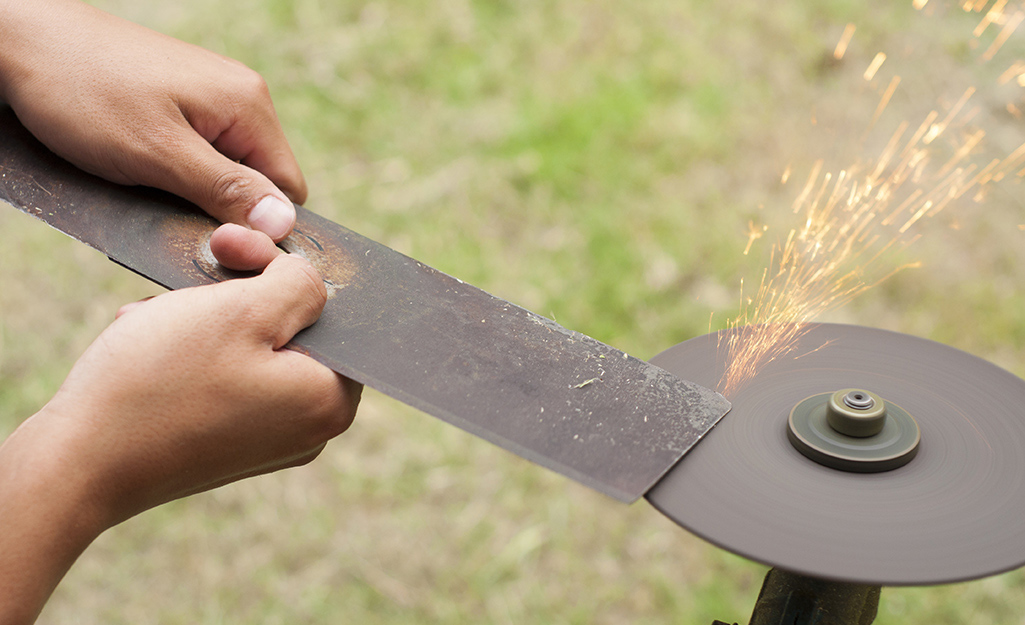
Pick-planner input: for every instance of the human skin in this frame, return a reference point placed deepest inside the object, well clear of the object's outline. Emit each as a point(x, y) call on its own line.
point(192, 389)
point(137, 107)
point(183, 393)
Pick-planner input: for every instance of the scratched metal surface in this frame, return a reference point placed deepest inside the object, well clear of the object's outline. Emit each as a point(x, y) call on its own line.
point(556, 397)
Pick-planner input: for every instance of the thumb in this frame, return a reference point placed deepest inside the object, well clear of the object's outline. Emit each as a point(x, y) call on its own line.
point(240, 249)
point(229, 191)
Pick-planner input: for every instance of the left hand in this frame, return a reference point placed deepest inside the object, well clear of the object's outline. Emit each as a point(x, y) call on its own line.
point(182, 393)
point(194, 388)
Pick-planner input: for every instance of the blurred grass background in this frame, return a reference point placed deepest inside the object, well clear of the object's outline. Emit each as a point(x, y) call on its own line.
point(597, 162)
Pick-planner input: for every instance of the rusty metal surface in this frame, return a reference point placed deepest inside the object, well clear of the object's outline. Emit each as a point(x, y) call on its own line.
point(519, 380)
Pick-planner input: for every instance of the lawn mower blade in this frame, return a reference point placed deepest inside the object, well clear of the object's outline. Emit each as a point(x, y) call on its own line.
point(555, 397)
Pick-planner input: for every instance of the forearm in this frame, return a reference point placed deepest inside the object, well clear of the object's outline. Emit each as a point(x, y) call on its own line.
point(48, 516)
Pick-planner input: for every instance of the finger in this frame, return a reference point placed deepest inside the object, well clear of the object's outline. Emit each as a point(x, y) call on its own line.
point(260, 143)
point(335, 413)
point(242, 249)
point(290, 294)
point(331, 403)
point(189, 166)
point(243, 126)
point(324, 408)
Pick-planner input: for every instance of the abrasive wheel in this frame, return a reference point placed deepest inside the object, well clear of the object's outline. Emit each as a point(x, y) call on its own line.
point(933, 492)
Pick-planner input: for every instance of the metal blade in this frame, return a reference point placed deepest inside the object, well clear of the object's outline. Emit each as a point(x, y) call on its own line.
point(553, 396)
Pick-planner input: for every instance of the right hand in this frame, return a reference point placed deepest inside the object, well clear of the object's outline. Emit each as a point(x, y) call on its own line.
point(137, 107)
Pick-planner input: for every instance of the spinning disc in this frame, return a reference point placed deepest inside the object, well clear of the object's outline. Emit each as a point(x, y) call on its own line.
point(954, 512)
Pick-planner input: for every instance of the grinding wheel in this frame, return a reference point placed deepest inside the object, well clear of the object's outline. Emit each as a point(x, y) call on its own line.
point(954, 512)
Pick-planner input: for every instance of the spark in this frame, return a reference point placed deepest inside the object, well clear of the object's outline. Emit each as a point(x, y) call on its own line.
point(845, 40)
point(976, 6)
point(992, 16)
point(852, 223)
point(753, 234)
point(1005, 33)
point(999, 15)
point(885, 100)
point(1016, 72)
point(874, 66)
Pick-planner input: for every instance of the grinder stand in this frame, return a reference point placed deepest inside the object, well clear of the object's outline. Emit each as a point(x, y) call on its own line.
point(792, 599)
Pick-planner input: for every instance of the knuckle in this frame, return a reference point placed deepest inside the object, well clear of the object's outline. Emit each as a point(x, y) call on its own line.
point(353, 395)
point(251, 86)
point(333, 409)
point(232, 190)
point(339, 415)
point(341, 423)
point(310, 285)
point(297, 299)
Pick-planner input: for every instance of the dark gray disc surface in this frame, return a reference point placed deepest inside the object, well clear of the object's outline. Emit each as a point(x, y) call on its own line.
point(956, 512)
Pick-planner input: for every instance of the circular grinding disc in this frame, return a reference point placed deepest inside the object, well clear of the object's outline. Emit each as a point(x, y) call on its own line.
point(955, 512)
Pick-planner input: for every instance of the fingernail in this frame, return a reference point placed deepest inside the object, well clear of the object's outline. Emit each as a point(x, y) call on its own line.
point(272, 217)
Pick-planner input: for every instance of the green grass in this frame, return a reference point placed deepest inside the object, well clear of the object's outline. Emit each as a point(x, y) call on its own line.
point(596, 162)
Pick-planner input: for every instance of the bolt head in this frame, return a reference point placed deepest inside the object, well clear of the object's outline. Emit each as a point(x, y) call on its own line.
point(863, 419)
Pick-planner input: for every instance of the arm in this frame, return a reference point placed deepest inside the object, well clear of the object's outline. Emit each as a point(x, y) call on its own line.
point(182, 393)
point(137, 107)
point(190, 390)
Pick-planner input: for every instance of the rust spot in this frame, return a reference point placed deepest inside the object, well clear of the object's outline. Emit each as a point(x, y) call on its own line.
point(333, 261)
point(186, 242)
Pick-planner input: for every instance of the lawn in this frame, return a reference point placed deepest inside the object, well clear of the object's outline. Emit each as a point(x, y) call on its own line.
point(596, 162)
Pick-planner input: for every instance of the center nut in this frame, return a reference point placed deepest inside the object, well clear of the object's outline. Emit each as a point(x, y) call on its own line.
point(853, 430)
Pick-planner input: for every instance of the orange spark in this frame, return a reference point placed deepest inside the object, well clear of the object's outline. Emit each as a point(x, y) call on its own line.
point(845, 40)
point(753, 234)
point(1015, 71)
point(874, 66)
point(1005, 33)
point(993, 15)
point(885, 100)
point(852, 221)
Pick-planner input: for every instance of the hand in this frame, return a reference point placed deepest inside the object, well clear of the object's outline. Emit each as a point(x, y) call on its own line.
point(137, 107)
point(181, 394)
point(193, 389)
